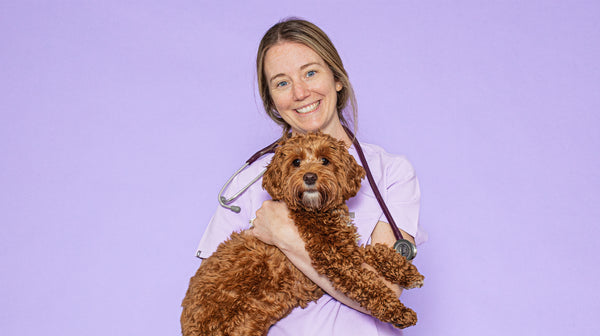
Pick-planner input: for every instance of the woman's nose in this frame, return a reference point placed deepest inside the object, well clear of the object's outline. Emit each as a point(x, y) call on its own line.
point(301, 90)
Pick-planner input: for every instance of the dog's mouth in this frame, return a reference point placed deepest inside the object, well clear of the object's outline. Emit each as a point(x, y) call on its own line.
point(311, 199)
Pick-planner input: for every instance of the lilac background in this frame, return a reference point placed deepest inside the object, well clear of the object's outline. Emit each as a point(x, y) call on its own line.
point(121, 120)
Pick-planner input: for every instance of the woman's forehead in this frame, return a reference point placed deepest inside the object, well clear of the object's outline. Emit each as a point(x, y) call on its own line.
point(289, 56)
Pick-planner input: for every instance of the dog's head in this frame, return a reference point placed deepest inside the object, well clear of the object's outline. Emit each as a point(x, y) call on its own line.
point(314, 172)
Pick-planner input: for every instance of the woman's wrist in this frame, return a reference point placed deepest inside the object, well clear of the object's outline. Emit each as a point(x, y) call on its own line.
point(288, 239)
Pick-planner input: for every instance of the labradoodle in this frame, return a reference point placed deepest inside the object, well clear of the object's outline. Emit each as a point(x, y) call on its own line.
point(246, 286)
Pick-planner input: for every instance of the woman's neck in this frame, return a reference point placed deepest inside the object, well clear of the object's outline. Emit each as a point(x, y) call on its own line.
point(337, 131)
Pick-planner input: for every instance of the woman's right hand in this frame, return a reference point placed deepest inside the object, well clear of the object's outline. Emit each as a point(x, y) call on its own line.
point(274, 226)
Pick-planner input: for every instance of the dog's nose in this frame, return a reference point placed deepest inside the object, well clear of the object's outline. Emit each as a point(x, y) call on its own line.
point(310, 178)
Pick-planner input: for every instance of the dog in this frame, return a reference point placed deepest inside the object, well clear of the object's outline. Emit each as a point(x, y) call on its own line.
point(246, 286)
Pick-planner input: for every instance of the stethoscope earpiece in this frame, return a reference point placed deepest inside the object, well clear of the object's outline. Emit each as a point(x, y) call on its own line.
point(224, 201)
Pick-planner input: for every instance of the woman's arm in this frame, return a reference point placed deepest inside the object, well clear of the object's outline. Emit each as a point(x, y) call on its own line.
point(273, 226)
point(383, 234)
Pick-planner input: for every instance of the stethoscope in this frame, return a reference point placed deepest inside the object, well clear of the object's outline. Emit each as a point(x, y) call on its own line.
point(402, 246)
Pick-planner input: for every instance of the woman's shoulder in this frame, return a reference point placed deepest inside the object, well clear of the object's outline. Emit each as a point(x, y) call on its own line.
point(388, 163)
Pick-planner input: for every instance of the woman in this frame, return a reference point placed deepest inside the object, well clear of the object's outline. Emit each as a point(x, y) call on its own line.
point(304, 88)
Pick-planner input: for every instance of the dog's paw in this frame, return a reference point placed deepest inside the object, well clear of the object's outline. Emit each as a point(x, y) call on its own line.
point(411, 278)
point(406, 319)
point(417, 282)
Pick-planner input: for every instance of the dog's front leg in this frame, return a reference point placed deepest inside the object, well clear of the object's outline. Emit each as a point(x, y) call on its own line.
point(369, 290)
point(392, 266)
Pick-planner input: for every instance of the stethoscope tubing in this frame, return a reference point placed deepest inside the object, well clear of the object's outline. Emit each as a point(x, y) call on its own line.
point(224, 201)
point(374, 187)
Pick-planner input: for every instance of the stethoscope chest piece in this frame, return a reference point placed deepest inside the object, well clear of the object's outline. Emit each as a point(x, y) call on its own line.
point(406, 249)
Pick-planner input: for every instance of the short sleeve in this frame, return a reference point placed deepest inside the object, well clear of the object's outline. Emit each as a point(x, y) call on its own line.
point(223, 223)
point(220, 227)
point(403, 196)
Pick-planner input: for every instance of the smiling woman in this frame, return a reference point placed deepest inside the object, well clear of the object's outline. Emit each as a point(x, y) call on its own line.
point(305, 88)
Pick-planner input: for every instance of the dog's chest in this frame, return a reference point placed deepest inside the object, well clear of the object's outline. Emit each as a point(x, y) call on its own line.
point(326, 230)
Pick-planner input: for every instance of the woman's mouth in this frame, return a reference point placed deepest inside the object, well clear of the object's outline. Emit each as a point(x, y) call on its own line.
point(309, 108)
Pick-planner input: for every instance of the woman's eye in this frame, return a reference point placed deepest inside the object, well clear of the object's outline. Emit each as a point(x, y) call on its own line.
point(296, 163)
point(282, 84)
point(325, 161)
point(311, 73)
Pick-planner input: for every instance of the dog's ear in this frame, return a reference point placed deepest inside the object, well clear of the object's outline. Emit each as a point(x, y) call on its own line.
point(273, 177)
point(354, 174)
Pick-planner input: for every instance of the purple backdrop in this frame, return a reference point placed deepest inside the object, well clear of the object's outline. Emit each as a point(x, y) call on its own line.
point(121, 120)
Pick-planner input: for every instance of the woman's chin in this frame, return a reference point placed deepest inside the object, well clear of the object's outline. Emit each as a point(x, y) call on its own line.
point(306, 129)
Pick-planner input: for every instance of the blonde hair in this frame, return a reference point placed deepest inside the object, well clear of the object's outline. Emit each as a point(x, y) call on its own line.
point(308, 34)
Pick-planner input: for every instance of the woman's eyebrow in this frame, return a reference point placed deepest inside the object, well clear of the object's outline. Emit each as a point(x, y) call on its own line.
point(309, 64)
point(278, 75)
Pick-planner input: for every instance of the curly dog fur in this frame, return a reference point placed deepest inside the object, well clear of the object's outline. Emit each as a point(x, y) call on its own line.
point(246, 286)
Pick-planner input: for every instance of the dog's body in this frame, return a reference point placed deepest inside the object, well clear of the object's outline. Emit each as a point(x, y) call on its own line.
point(246, 286)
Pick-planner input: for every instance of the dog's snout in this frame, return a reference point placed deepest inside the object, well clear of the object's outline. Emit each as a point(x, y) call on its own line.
point(310, 178)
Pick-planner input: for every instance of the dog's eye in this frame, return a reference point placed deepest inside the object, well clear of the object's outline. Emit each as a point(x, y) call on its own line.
point(296, 163)
point(325, 161)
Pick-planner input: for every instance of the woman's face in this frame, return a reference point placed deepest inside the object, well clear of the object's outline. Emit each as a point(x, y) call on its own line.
point(302, 88)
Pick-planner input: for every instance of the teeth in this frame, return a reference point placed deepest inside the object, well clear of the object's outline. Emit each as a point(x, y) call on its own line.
point(309, 108)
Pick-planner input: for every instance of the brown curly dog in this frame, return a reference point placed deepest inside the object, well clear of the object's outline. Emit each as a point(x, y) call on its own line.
point(246, 286)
